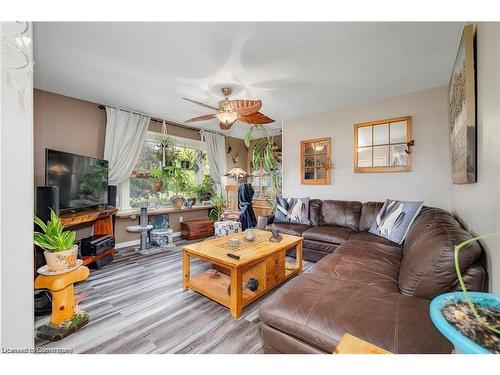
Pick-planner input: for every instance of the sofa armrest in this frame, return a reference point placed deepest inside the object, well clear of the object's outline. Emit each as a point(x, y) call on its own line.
point(264, 221)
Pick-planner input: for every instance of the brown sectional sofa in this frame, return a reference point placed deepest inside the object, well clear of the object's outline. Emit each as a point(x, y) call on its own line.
point(365, 285)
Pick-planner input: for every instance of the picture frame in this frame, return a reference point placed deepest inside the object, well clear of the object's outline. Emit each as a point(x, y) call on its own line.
point(462, 111)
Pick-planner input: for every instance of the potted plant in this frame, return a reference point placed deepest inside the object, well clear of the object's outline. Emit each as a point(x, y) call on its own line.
point(205, 190)
point(177, 183)
point(60, 251)
point(166, 149)
point(470, 320)
point(156, 177)
point(264, 155)
point(219, 206)
point(190, 198)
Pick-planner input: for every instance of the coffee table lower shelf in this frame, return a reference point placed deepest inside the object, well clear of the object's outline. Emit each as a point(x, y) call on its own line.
point(216, 288)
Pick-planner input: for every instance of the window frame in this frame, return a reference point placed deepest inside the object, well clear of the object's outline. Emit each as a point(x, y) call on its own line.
point(388, 168)
point(123, 198)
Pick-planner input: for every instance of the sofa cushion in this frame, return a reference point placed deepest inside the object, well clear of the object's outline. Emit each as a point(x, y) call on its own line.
point(370, 237)
point(341, 213)
point(291, 229)
point(314, 211)
point(318, 311)
point(328, 233)
point(428, 266)
point(395, 219)
point(369, 211)
point(365, 263)
point(292, 210)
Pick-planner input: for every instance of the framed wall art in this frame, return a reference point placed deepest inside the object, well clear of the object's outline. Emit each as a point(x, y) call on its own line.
point(462, 111)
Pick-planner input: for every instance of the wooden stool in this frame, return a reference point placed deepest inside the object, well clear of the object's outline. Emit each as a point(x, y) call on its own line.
point(63, 303)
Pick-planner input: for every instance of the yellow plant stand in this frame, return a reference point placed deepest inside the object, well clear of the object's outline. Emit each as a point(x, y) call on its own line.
point(63, 320)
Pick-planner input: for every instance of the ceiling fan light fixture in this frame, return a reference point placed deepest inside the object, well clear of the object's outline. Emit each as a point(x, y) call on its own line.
point(226, 117)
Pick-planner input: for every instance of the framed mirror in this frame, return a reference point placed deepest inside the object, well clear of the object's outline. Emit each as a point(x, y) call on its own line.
point(383, 146)
point(315, 162)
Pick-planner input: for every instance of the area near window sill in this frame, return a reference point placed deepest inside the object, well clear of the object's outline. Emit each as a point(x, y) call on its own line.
point(159, 211)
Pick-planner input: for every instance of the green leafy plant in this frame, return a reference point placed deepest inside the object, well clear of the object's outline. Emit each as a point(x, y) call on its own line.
point(53, 238)
point(206, 189)
point(166, 148)
point(219, 205)
point(263, 155)
point(177, 180)
point(467, 298)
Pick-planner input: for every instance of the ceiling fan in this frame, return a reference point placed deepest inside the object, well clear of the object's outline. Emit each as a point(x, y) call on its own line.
point(228, 111)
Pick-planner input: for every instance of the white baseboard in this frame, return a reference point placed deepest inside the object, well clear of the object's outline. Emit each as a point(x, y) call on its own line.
point(122, 245)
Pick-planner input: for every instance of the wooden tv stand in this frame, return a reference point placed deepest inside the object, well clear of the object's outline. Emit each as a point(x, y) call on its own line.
point(102, 221)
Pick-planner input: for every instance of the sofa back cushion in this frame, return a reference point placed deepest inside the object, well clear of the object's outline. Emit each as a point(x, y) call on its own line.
point(369, 211)
point(428, 267)
point(342, 213)
point(292, 210)
point(314, 212)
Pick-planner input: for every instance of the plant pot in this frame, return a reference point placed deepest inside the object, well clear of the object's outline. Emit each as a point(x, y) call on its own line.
point(61, 260)
point(190, 201)
point(157, 186)
point(177, 201)
point(462, 343)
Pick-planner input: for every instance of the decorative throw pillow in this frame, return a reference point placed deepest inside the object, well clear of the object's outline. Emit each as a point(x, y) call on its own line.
point(395, 219)
point(292, 210)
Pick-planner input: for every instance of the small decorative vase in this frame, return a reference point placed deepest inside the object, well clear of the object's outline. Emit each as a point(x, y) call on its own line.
point(157, 185)
point(61, 260)
point(177, 201)
point(190, 202)
point(250, 234)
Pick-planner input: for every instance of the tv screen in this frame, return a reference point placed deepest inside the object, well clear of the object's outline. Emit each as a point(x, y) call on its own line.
point(82, 180)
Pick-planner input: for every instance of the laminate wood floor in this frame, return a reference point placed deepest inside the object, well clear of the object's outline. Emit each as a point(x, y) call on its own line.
point(136, 305)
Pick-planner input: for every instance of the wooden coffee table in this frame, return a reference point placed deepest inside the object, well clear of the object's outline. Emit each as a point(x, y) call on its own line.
point(261, 259)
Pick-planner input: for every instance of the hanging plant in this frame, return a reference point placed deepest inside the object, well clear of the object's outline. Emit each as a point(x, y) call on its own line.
point(263, 154)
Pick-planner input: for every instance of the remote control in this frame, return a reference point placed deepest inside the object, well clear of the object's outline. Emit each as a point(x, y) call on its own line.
point(231, 255)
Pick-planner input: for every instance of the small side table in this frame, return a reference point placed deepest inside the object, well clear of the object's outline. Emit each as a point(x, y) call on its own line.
point(63, 303)
point(350, 344)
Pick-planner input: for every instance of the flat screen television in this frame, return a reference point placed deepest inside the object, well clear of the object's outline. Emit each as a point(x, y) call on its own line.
point(82, 180)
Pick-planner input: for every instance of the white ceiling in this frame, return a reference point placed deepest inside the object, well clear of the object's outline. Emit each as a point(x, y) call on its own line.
point(294, 68)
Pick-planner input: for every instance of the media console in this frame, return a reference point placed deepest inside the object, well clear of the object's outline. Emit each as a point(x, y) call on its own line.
point(102, 221)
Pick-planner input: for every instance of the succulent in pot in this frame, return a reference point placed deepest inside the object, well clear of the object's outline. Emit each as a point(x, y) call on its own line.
point(60, 252)
point(470, 320)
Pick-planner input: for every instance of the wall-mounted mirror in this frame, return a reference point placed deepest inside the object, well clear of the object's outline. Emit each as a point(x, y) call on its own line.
point(383, 146)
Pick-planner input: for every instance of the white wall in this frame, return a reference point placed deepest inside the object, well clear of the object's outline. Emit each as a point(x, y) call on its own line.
point(430, 177)
point(16, 211)
point(478, 205)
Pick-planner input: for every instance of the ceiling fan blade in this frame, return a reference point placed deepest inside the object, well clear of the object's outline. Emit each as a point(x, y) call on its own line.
point(246, 107)
point(200, 103)
point(256, 118)
point(201, 118)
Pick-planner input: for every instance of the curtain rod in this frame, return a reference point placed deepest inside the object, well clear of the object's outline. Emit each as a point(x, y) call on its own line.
point(154, 118)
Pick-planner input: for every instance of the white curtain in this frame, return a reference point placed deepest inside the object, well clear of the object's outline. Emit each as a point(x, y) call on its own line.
point(216, 154)
point(125, 133)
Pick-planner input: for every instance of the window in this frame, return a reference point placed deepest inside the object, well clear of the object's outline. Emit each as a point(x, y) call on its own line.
point(382, 146)
point(138, 190)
